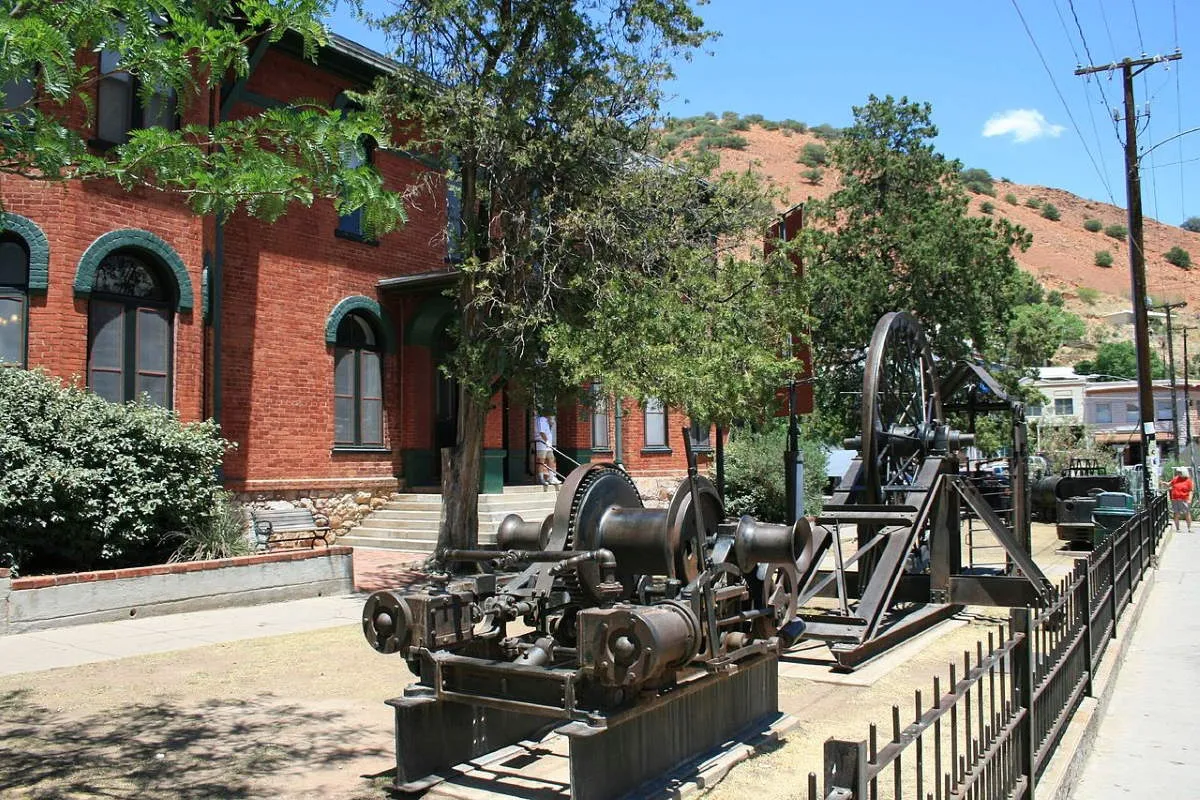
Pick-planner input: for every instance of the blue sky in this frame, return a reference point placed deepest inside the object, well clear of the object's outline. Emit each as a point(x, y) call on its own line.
point(975, 63)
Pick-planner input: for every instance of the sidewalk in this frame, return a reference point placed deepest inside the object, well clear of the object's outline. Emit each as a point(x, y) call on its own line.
point(1146, 745)
point(104, 641)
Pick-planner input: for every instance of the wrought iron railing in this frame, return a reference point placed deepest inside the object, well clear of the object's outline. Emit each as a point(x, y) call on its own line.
point(990, 730)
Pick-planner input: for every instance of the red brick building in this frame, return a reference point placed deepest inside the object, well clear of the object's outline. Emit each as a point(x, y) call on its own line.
point(316, 349)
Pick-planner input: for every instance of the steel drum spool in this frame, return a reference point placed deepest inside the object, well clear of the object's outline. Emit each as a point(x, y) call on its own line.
point(387, 621)
point(515, 533)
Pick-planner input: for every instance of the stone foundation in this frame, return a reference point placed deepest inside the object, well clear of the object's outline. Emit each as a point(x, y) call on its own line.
point(341, 511)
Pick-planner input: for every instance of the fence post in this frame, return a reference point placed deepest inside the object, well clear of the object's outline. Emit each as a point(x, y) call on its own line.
point(1112, 582)
point(1023, 679)
point(845, 770)
point(1087, 623)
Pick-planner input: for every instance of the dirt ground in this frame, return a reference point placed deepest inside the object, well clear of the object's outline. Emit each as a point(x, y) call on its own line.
point(303, 716)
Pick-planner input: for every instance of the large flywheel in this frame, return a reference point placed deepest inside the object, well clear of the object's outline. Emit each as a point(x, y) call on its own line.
point(902, 410)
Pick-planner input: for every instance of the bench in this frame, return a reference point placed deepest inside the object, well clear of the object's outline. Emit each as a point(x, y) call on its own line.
point(296, 525)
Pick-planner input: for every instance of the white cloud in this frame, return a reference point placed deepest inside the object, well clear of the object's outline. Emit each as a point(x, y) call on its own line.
point(1024, 124)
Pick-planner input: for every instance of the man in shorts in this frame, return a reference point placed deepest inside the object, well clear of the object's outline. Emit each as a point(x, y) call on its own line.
point(543, 449)
point(1181, 496)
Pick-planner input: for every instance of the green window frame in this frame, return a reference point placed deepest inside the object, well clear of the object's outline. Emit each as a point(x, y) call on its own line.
point(14, 300)
point(357, 384)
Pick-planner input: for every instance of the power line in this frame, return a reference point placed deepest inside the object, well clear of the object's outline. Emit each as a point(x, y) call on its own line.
point(1111, 44)
point(1099, 85)
point(1086, 99)
point(1063, 100)
point(1138, 24)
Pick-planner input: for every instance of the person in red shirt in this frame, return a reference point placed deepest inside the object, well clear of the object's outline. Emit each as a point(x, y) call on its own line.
point(1181, 496)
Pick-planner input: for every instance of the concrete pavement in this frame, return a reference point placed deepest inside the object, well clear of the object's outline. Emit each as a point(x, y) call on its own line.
point(1146, 744)
point(104, 641)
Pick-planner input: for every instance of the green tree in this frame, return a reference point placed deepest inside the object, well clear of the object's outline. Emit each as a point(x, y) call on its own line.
point(813, 175)
point(1179, 257)
point(583, 259)
point(262, 164)
point(1191, 224)
point(978, 181)
point(1051, 212)
point(1103, 258)
point(814, 155)
point(1038, 330)
point(1093, 225)
point(1116, 231)
point(896, 235)
point(1118, 361)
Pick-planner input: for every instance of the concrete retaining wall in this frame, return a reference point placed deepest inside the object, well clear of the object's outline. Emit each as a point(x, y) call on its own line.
point(53, 601)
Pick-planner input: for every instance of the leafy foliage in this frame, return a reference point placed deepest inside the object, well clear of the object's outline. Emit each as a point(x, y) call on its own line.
point(1087, 295)
point(1038, 330)
point(813, 155)
point(1118, 361)
point(1033, 202)
point(978, 181)
point(85, 483)
point(1061, 444)
point(987, 207)
point(897, 235)
point(261, 164)
point(754, 472)
point(1103, 258)
point(813, 175)
point(1051, 212)
point(1010, 198)
point(1092, 225)
point(222, 535)
point(1179, 257)
point(1116, 231)
point(1191, 224)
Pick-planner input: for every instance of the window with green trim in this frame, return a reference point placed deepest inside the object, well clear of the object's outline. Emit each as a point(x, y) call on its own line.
point(123, 106)
point(357, 384)
point(14, 299)
point(130, 323)
point(351, 225)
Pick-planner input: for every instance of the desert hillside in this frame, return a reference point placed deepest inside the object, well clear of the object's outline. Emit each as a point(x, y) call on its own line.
point(1063, 254)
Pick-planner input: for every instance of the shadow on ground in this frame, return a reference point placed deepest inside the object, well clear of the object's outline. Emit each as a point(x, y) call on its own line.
point(219, 748)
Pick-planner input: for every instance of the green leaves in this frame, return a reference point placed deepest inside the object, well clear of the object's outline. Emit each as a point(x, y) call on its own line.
point(262, 165)
point(85, 483)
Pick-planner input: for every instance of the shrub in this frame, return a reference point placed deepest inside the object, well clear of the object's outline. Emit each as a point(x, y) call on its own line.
point(978, 181)
point(794, 125)
point(1179, 257)
point(813, 175)
point(986, 207)
point(813, 155)
point(222, 535)
point(1092, 225)
point(1010, 198)
point(1087, 295)
point(769, 125)
point(754, 119)
point(826, 131)
point(1055, 298)
point(1033, 202)
point(88, 484)
point(1103, 258)
point(1050, 212)
point(1116, 232)
point(1191, 224)
point(727, 141)
point(754, 480)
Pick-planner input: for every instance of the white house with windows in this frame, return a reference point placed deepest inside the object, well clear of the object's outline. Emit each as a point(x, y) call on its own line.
point(1110, 411)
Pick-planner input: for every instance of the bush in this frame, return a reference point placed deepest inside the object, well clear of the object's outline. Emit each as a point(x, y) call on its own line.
point(794, 125)
point(1087, 295)
point(222, 535)
point(986, 207)
point(1010, 198)
point(813, 155)
point(813, 175)
point(88, 484)
point(1103, 258)
point(769, 125)
point(978, 181)
point(1179, 257)
point(1050, 212)
point(1117, 232)
point(1055, 298)
point(1092, 225)
point(727, 141)
point(1191, 224)
point(826, 131)
point(754, 481)
point(1033, 202)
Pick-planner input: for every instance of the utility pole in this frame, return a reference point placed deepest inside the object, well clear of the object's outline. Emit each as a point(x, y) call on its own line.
point(1130, 68)
point(1187, 407)
point(1171, 371)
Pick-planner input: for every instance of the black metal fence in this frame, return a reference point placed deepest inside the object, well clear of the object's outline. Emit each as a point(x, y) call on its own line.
point(990, 729)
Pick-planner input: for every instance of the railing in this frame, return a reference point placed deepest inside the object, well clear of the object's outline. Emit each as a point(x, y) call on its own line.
point(991, 729)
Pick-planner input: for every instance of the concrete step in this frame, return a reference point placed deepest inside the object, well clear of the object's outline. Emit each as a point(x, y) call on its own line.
point(398, 543)
point(406, 514)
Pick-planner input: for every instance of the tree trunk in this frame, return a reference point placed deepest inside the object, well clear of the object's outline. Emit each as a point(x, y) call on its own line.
point(460, 476)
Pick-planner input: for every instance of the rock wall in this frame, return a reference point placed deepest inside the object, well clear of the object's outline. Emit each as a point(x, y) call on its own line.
point(341, 511)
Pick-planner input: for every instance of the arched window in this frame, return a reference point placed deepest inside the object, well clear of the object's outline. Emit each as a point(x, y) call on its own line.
point(357, 384)
point(129, 330)
point(14, 301)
